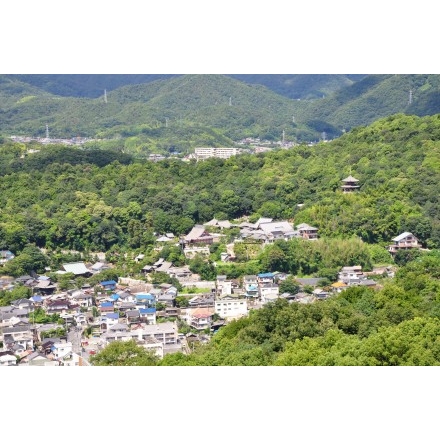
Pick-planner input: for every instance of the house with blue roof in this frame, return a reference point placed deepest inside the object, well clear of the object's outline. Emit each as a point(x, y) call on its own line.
point(114, 297)
point(265, 278)
point(106, 307)
point(251, 291)
point(146, 300)
point(108, 320)
point(148, 315)
point(108, 285)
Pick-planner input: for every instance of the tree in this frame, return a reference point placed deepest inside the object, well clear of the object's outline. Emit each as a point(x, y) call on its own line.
point(289, 285)
point(124, 353)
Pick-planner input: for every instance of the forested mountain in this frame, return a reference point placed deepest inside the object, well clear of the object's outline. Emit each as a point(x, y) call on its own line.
point(210, 102)
point(64, 197)
point(184, 111)
point(374, 97)
point(93, 85)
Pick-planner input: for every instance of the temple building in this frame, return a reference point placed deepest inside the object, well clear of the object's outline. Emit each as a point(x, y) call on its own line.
point(350, 184)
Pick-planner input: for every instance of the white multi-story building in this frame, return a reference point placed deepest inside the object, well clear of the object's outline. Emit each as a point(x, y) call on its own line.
point(230, 307)
point(222, 153)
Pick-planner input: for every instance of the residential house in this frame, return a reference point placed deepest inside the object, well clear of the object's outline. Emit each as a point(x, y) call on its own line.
point(167, 299)
point(307, 232)
point(125, 307)
point(265, 278)
point(268, 292)
point(321, 293)
point(36, 359)
point(404, 241)
point(106, 307)
point(58, 306)
point(200, 318)
point(133, 316)
point(108, 320)
point(181, 273)
point(250, 286)
point(7, 358)
point(145, 300)
point(148, 315)
point(82, 300)
point(22, 335)
point(108, 285)
point(351, 275)
point(201, 301)
point(23, 303)
point(223, 286)
point(338, 287)
point(165, 332)
point(80, 319)
point(126, 297)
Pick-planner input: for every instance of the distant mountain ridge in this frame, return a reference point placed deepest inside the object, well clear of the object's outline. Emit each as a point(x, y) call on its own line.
point(297, 86)
point(216, 109)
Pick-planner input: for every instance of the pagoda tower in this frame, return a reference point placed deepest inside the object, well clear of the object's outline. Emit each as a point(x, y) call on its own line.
point(350, 184)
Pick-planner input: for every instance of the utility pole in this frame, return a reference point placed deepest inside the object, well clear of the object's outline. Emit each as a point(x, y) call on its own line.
point(410, 99)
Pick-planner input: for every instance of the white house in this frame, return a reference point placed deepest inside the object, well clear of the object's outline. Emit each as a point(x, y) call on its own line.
point(231, 307)
point(404, 241)
point(224, 286)
point(7, 360)
point(269, 292)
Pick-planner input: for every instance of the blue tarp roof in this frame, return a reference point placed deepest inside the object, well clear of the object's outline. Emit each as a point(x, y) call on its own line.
point(36, 298)
point(115, 296)
point(112, 315)
point(266, 275)
point(149, 310)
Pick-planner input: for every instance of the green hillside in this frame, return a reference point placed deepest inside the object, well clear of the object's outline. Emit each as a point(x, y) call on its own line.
point(377, 96)
point(395, 159)
point(211, 101)
point(93, 85)
point(184, 111)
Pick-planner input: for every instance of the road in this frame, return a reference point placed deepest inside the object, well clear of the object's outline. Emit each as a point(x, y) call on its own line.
point(74, 336)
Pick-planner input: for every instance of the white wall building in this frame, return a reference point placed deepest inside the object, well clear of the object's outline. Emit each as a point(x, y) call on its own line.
point(228, 307)
point(222, 153)
point(269, 292)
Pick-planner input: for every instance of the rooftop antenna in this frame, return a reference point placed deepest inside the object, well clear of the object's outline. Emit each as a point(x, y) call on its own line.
point(105, 96)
